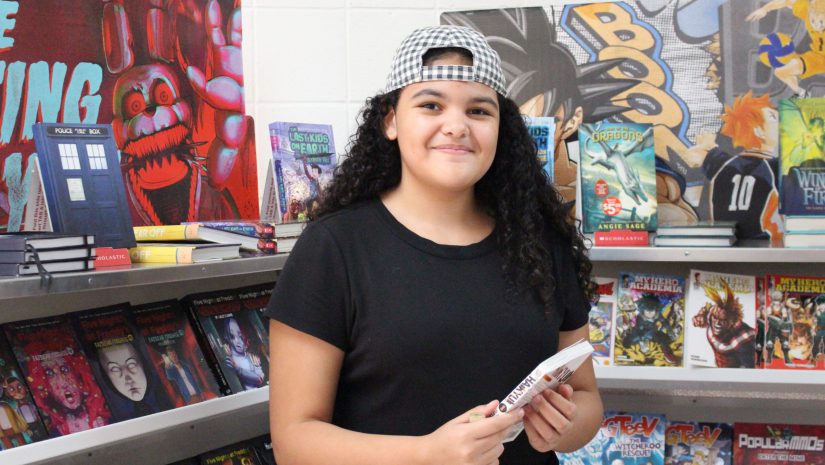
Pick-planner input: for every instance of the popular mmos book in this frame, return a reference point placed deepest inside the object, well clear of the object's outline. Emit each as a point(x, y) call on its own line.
point(772, 444)
point(692, 443)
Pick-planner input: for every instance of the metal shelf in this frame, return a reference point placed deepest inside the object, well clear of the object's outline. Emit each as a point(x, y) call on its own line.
point(156, 439)
point(747, 252)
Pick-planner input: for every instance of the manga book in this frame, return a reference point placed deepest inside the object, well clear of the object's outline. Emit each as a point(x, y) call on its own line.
point(801, 157)
point(125, 373)
point(795, 322)
point(601, 320)
point(173, 349)
point(19, 421)
point(626, 438)
point(303, 155)
point(773, 444)
point(761, 322)
point(242, 453)
point(650, 320)
point(618, 177)
point(58, 374)
point(235, 336)
point(692, 443)
point(543, 131)
point(721, 320)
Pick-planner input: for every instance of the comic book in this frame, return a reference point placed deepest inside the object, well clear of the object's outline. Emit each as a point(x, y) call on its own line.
point(721, 320)
point(234, 335)
point(618, 177)
point(58, 374)
point(801, 157)
point(795, 322)
point(241, 453)
point(303, 155)
point(173, 348)
point(601, 321)
point(19, 420)
point(692, 443)
point(127, 376)
point(650, 320)
point(773, 444)
point(626, 438)
point(543, 131)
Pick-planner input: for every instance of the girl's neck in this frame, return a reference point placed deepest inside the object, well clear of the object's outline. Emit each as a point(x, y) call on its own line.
point(444, 218)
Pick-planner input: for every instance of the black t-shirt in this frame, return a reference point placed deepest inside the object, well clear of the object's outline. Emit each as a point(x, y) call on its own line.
point(427, 330)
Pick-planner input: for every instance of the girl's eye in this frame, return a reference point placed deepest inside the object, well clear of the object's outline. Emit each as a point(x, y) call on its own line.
point(479, 111)
point(430, 106)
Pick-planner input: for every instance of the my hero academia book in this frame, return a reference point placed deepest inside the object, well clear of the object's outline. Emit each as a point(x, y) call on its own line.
point(618, 177)
point(693, 443)
point(801, 157)
point(721, 320)
point(795, 322)
point(773, 444)
point(173, 348)
point(20, 422)
point(602, 316)
point(59, 375)
point(650, 320)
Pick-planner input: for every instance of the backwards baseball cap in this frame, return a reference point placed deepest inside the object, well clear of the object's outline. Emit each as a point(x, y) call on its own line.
point(408, 64)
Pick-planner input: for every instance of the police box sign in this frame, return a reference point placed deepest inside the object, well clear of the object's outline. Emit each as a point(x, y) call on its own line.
point(74, 131)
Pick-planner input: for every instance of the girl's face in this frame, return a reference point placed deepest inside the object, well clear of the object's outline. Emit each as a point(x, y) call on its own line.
point(447, 131)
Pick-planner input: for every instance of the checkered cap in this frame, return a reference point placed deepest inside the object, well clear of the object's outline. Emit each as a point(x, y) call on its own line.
point(408, 68)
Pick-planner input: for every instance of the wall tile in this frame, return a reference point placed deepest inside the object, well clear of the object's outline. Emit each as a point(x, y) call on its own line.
point(407, 4)
point(300, 3)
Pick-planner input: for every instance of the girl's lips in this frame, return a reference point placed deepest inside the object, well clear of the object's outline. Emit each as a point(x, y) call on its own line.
point(453, 148)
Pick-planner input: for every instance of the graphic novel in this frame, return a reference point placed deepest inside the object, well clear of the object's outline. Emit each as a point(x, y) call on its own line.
point(801, 156)
point(19, 420)
point(173, 348)
point(626, 438)
point(771, 444)
point(721, 320)
point(602, 316)
point(650, 320)
point(618, 177)
point(795, 322)
point(692, 443)
point(59, 375)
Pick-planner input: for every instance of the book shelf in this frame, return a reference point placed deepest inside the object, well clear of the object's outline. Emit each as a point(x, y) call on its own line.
point(790, 396)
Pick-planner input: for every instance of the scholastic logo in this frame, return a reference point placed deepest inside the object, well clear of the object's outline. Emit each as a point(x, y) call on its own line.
point(806, 443)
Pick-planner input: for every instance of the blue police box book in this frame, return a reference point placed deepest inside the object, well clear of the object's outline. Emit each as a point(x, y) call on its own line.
point(78, 169)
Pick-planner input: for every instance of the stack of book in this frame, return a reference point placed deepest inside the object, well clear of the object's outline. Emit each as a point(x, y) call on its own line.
point(30, 253)
point(699, 234)
point(804, 231)
point(184, 243)
point(257, 236)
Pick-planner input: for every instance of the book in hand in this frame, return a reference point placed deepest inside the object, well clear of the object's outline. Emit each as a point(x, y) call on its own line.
point(158, 252)
point(699, 228)
point(694, 241)
point(77, 186)
point(549, 374)
point(19, 419)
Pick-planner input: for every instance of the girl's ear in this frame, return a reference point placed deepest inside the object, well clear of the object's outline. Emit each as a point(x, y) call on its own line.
point(390, 129)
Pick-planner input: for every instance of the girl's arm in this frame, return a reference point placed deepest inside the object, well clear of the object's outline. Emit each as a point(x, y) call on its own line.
point(304, 373)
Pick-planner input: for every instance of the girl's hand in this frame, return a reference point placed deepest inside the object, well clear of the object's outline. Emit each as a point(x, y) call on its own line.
point(548, 417)
point(461, 442)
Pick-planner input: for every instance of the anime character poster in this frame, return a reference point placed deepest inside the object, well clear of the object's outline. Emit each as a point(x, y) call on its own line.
point(19, 420)
point(166, 75)
point(59, 375)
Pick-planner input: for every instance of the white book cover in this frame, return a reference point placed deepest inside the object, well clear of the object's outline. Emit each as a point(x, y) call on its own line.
point(550, 374)
point(721, 317)
point(602, 320)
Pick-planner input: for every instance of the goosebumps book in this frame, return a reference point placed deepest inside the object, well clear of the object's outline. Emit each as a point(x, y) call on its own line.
point(801, 159)
point(601, 321)
point(173, 349)
point(795, 329)
point(618, 177)
point(721, 328)
point(19, 421)
point(650, 320)
point(58, 374)
point(304, 156)
point(769, 444)
point(692, 443)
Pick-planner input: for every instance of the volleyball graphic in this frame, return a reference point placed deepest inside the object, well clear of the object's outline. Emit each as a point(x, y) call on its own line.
point(775, 49)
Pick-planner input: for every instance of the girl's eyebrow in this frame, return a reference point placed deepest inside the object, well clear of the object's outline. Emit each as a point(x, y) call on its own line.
point(438, 94)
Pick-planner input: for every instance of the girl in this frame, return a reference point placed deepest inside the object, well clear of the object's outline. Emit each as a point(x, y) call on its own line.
point(438, 272)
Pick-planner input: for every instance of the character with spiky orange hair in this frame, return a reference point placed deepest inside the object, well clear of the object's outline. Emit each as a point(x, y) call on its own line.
point(731, 339)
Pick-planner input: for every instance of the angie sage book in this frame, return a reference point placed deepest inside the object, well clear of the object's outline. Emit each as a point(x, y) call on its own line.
point(549, 374)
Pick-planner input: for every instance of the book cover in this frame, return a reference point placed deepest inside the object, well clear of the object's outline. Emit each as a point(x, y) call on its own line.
point(795, 325)
point(601, 320)
point(618, 177)
point(59, 375)
point(801, 158)
point(127, 376)
point(235, 335)
point(173, 348)
point(761, 322)
point(241, 453)
point(693, 443)
point(778, 444)
point(256, 298)
point(79, 172)
point(543, 131)
point(19, 420)
point(263, 449)
point(20, 241)
point(721, 315)
point(650, 320)
point(303, 155)
point(182, 253)
point(253, 228)
point(634, 438)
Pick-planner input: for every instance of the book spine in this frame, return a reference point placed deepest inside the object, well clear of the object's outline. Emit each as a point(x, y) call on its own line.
point(178, 232)
point(48, 183)
point(208, 353)
point(149, 254)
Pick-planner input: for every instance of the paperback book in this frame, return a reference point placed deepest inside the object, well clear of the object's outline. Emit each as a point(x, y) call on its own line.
point(173, 347)
point(241, 453)
point(59, 375)
point(543, 131)
point(624, 438)
point(795, 322)
point(601, 320)
point(801, 158)
point(256, 298)
point(721, 315)
point(693, 443)
point(303, 156)
point(776, 444)
point(20, 422)
point(650, 320)
point(618, 177)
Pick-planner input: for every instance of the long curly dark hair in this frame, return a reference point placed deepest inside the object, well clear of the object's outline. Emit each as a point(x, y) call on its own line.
point(515, 192)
